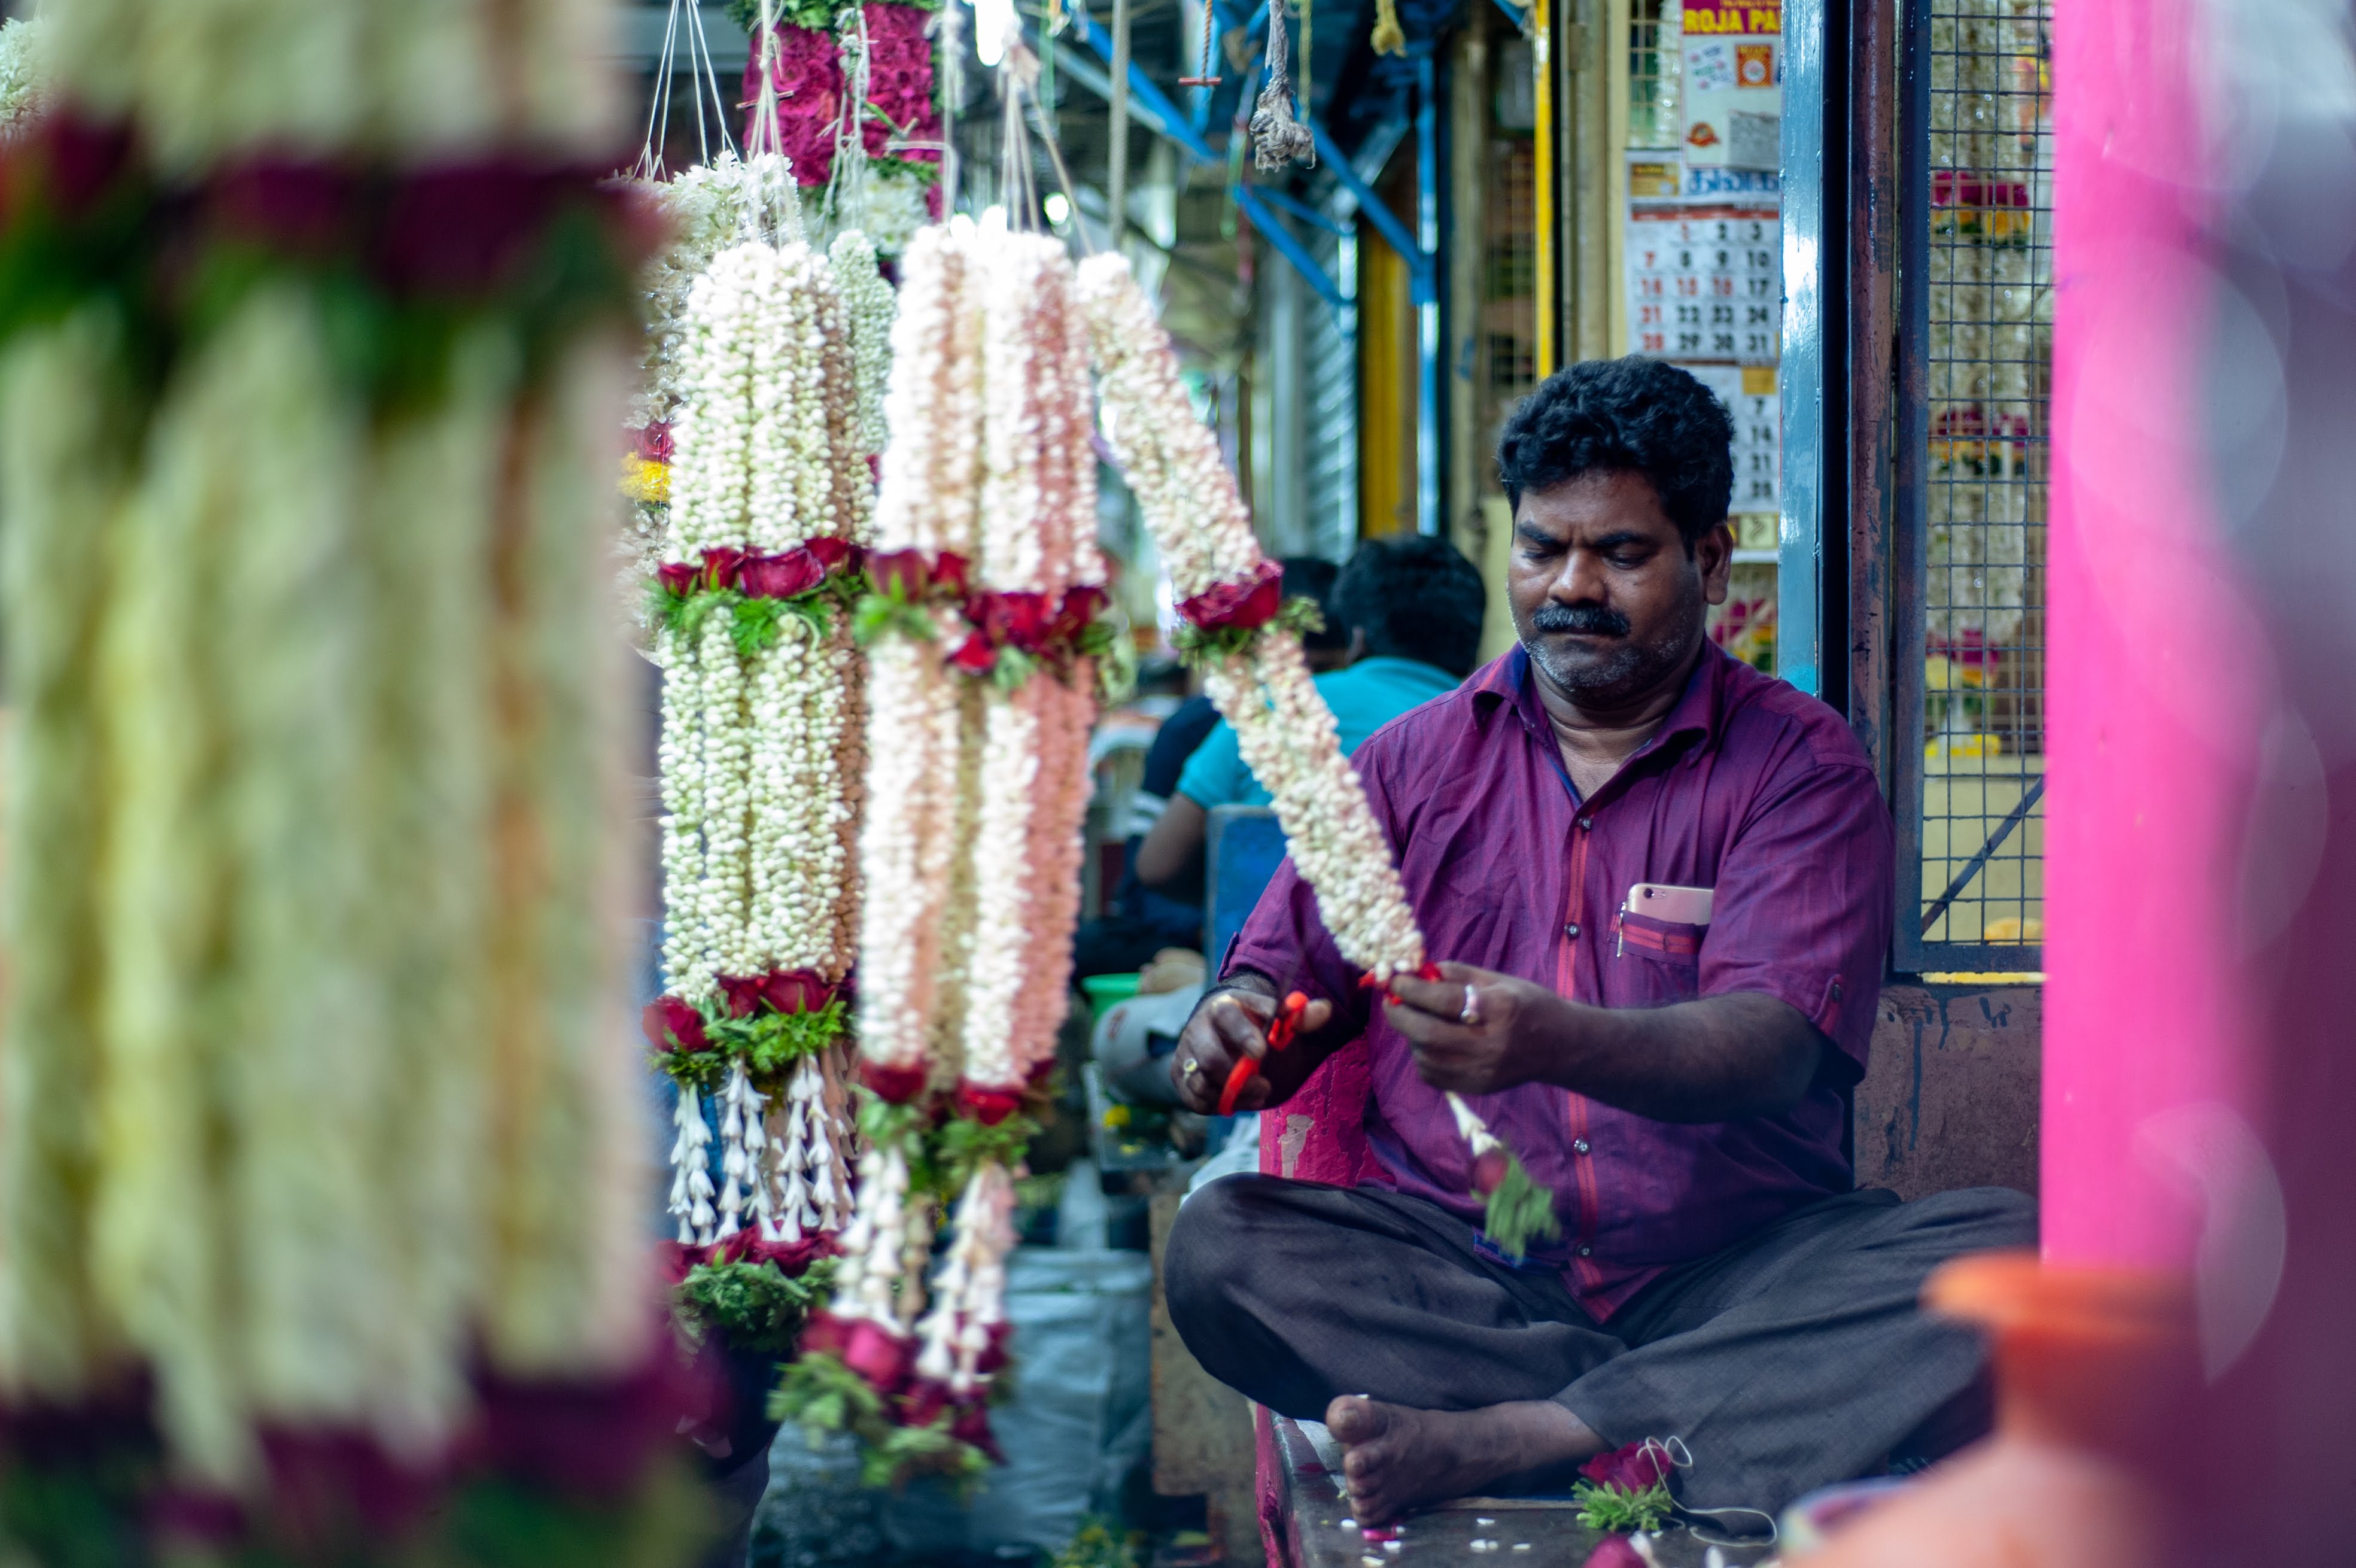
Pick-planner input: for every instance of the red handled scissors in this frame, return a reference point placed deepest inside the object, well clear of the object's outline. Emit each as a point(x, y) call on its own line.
point(1280, 1032)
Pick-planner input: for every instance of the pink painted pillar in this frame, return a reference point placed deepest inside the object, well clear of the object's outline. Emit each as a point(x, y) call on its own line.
point(2159, 676)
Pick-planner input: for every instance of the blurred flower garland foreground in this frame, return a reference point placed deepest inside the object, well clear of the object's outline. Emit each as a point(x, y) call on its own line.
point(984, 622)
point(317, 1215)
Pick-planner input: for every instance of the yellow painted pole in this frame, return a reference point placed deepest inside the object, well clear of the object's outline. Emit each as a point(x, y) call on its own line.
point(1541, 14)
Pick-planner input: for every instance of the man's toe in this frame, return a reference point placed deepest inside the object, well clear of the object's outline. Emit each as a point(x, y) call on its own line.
point(1352, 1418)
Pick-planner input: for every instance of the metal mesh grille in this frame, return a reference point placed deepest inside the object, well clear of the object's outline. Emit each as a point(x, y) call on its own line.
point(1509, 283)
point(1655, 52)
point(1987, 357)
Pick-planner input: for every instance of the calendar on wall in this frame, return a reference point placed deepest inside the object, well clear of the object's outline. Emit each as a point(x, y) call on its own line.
point(1705, 283)
point(1706, 290)
point(1750, 395)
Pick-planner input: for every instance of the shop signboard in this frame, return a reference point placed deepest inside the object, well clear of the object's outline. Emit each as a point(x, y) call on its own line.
point(1733, 69)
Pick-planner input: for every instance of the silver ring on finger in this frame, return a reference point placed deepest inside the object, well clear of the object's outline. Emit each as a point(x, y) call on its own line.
point(1190, 1067)
point(1471, 1016)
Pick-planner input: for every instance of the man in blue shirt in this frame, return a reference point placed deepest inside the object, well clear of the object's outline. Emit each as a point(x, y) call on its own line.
point(1411, 608)
point(1144, 920)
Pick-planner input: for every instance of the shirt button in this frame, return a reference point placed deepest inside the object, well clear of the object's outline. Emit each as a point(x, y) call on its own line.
point(1580, 1145)
point(1571, 930)
point(1586, 1251)
point(1836, 990)
point(1587, 824)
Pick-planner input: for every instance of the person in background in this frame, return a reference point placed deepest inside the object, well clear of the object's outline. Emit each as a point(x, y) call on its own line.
point(1144, 920)
point(1411, 611)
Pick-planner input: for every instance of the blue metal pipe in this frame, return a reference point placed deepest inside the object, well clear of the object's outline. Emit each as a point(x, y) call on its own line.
point(1302, 210)
point(1177, 128)
point(1248, 198)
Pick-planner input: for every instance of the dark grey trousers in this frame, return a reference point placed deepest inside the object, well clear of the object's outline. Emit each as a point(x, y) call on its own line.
point(1796, 1358)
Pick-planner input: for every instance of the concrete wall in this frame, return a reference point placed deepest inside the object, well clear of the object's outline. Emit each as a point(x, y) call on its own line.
point(1950, 1097)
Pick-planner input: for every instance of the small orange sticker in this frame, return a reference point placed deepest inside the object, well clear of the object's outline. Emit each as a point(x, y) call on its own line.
point(1754, 65)
point(1702, 136)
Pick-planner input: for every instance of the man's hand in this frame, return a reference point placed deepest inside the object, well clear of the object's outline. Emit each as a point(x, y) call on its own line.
point(1228, 1024)
point(1716, 1060)
point(1475, 1031)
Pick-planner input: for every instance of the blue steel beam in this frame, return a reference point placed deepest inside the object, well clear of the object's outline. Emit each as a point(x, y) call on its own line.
point(1300, 210)
point(1288, 245)
point(1177, 128)
point(1378, 214)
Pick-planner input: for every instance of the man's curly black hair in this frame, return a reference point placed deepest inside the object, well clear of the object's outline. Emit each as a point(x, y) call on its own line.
point(1630, 415)
point(1414, 598)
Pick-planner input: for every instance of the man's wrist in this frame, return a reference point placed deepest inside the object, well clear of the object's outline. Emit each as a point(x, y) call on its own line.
point(1245, 979)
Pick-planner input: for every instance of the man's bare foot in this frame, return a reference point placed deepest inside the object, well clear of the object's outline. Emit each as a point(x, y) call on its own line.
point(1395, 1458)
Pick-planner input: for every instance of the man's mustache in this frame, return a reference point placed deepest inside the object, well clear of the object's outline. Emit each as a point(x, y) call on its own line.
point(1587, 620)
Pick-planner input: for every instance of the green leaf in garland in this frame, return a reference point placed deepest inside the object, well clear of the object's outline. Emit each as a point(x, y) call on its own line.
point(1116, 661)
point(1208, 644)
point(821, 1395)
point(771, 1042)
point(753, 623)
point(698, 1070)
point(757, 1307)
point(1014, 667)
point(876, 614)
point(1518, 1209)
point(1610, 1507)
point(966, 1145)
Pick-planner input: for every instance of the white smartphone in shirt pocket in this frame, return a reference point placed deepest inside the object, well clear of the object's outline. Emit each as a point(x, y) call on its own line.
point(1678, 905)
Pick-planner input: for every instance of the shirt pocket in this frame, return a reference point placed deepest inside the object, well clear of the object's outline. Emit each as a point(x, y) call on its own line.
point(1659, 962)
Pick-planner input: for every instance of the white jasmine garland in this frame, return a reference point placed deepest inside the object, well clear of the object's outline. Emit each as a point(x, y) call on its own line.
point(1169, 457)
point(761, 798)
point(905, 848)
point(931, 470)
point(690, 1187)
point(1282, 727)
point(931, 477)
point(870, 305)
point(710, 208)
point(1038, 502)
point(1003, 891)
point(741, 1143)
point(807, 1189)
point(969, 1290)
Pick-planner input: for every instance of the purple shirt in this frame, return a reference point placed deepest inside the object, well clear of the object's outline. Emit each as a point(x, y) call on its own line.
point(1750, 789)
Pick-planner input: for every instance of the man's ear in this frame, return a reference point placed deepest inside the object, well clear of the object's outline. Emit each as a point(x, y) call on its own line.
point(1714, 553)
point(1357, 645)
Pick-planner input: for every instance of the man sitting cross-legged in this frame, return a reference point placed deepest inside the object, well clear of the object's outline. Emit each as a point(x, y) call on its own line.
point(1664, 881)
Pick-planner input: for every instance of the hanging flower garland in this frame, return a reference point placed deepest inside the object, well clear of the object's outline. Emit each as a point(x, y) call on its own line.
point(1245, 640)
point(762, 745)
point(710, 208)
point(985, 627)
point(898, 125)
